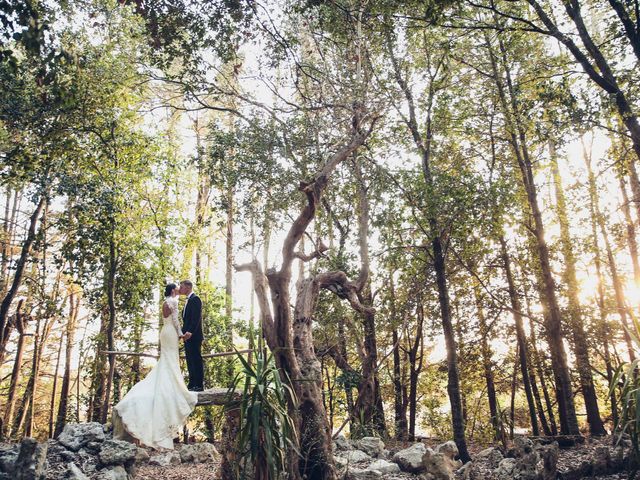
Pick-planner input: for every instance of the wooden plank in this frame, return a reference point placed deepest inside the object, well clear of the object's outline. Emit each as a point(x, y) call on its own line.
point(216, 396)
point(151, 355)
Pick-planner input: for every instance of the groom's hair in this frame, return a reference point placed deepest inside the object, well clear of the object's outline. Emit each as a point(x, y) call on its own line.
point(188, 283)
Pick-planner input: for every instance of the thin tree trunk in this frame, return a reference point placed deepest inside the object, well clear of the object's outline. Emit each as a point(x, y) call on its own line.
point(553, 328)
point(539, 367)
point(415, 356)
point(21, 323)
point(423, 145)
point(520, 336)
point(18, 274)
point(514, 387)
point(617, 283)
point(400, 412)
point(74, 307)
point(580, 346)
point(631, 231)
point(111, 302)
point(487, 365)
point(54, 389)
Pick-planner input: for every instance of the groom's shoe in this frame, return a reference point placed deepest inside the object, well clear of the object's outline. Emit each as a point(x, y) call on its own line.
point(196, 389)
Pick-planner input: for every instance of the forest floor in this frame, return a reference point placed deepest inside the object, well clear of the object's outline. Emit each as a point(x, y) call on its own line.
point(569, 460)
point(183, 471)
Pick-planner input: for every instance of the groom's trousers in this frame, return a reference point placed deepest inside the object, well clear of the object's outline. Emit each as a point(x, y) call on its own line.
point(193, 352)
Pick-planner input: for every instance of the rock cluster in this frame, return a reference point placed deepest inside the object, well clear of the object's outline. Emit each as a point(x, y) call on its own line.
point(86, 451)
point(367, 459)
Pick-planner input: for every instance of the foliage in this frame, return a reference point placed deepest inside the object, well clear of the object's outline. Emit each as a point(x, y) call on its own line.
point(627, 380)
point(266, 429)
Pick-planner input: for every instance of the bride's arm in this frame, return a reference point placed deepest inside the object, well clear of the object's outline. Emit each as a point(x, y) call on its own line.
point(174, 319)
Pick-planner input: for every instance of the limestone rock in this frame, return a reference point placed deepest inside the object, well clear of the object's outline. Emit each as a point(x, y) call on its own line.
point(522, 446)
point(492, 455)
point(31, 461)
point(113, 473)
point(549, 455)
point(74, 473)
point(372, 446)
point(384, 467)
point(77, 435)
point(341, 462)
point(198, 453)
point(410, 459)
point(164, 459)
point(468, 471)
point(8, 457)
point(341, 443)
point(142, 456)
point(441, 464)
point(355, 456)
point(506, 469)
point(117, 452)
point(363, 474)
point(601, 460)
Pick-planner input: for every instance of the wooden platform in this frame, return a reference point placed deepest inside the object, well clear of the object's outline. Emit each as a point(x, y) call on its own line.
point(216, 396)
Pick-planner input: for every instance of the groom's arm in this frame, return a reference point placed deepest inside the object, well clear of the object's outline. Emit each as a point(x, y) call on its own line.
point(194, 316)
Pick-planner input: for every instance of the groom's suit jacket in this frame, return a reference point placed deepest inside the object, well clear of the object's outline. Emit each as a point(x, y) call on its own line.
point(192, 318)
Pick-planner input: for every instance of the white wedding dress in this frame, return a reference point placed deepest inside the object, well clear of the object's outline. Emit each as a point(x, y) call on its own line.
point(156, 408)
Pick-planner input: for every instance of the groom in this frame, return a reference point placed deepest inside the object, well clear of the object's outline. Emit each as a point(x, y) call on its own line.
point(192, 328)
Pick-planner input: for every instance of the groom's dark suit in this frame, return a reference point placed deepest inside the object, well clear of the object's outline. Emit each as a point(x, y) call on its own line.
point(192, 322)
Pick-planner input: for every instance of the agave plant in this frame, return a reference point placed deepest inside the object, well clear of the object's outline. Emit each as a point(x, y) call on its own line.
point(627, 377)
point(266, 430)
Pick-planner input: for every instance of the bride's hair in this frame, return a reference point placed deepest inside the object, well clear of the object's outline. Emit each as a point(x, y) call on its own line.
point(169, 288)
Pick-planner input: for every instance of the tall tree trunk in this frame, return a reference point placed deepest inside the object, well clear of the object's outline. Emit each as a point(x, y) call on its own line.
point(72, 321)
point(20, 323)
point(631, 231)
point(553, 327)
point(369, 401)
point(538, 364)
point(54, 389)
point(617, 283)
point(520, 336)
point(400, 409)
point(580, 346)
point(21, 263)
point(415, 355)
point(290, 337)
point(111, 305)
point(487, 365)
point(423, 145)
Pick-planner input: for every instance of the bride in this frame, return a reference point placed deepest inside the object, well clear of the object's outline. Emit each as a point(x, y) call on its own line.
point(155, 409)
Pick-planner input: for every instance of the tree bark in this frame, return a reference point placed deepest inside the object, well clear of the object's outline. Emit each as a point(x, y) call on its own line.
point(54, 389)
point(423, 146)
point(540, 369)
point(111, 305)
point(613, 269)
point(20, 323)
point(400, 407)
point(290, 337)
point(487, 365)
point(21, 263)
point(63, 406)
point(631, 231)
point(580, 346)
point(520, 336)
point(553, 327)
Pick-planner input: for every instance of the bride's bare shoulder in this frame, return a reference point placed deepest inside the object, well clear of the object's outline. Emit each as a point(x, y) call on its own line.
point(166, 307)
